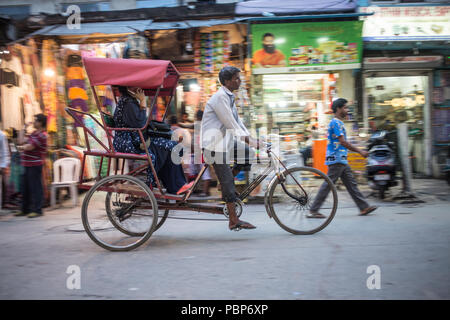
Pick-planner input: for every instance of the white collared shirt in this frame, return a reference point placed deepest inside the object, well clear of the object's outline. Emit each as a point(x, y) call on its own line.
point(221, 122)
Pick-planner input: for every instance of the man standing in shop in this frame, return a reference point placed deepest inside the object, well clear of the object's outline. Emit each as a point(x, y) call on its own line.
point(33, 156)
point(221, 133)
point(336, 160)
point(269, 55)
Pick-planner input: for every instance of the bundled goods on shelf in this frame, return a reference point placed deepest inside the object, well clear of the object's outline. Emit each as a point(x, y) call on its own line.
point(221, 50)
point(212, 51)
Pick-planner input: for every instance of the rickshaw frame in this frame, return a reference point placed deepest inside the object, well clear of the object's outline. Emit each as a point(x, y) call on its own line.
point(108, 152)
point(163, 83)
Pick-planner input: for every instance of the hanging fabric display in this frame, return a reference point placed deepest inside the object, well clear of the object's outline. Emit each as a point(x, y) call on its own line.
point(35, 70)
point(48, 80)
point(30, 104)
point(77, 97)
point(61, 115)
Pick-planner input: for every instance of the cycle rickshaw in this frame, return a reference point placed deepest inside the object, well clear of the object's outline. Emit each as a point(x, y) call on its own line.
point(120, 212)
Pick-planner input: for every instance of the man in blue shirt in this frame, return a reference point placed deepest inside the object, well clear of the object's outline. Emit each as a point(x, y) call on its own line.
point(336, 160)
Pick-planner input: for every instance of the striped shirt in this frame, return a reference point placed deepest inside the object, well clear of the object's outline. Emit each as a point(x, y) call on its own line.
point(35, 157)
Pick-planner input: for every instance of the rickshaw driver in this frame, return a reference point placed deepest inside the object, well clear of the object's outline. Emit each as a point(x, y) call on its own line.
point(220, 128)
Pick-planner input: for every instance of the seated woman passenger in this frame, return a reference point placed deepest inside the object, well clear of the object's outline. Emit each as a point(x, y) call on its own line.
point(130, 112)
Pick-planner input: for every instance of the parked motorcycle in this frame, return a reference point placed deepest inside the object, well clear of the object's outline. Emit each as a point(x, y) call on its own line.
point(381, 167)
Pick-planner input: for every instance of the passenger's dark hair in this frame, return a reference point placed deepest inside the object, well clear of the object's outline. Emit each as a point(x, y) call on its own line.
point(338, 103)
point(123, 91)
point(227, 73)
point(173, 120)
point(268, 34)
point(199, 115)
point(42, 119)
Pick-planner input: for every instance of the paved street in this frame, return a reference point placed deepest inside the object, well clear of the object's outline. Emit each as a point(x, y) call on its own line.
point(203, 260)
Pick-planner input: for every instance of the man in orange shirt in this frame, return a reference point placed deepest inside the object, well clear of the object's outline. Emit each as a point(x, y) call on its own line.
point(268, 56)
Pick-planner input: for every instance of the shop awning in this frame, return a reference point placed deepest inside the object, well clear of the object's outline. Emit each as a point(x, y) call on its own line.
point(404, 62)
point(186, 24)
point(112, 27)
point(130, 26)
point(146, 73)
point(264, 7)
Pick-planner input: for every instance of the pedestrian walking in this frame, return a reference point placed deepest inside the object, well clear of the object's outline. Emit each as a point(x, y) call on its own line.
point(33, 155)
point(336, 160)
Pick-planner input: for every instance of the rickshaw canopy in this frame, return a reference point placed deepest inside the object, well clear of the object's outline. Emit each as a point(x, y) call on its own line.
point(146, 74)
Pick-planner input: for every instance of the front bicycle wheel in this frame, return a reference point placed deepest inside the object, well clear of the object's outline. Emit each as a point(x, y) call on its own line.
point(119, 213)
point(290, 200)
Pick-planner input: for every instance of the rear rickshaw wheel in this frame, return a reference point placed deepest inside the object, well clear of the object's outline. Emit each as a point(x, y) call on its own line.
point(112, 204)
point(120, 213)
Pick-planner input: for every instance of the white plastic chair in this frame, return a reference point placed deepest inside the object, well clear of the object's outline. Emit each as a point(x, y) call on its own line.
point(66, 173)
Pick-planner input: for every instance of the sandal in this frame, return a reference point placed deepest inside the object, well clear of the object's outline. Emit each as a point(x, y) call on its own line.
point(242, 225)
point(368, 210)
point(186, 187)
point(315, 215)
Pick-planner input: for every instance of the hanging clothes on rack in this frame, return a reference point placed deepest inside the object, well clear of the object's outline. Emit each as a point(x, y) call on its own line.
point(48, 80)
point(31, 106)
point(36, 70)
point(11, 91)
point(77, 96)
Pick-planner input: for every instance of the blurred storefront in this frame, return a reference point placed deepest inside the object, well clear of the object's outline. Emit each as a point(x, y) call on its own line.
point(406, 78)
point(49, 75)
point(198, 49)
point(292, 94)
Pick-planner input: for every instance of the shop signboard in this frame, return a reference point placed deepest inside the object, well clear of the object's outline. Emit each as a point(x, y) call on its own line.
point(306, 47)
point(403, 62)
point(406, 23)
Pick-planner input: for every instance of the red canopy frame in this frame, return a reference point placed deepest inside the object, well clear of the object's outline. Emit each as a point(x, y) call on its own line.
point(155, 77)
point(145, 74)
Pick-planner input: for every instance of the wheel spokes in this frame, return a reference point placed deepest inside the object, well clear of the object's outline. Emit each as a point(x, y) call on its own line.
point(113, 214)
point(291, 204)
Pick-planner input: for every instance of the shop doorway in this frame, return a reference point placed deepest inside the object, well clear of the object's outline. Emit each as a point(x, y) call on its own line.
point(297, 105)
point(395, 97)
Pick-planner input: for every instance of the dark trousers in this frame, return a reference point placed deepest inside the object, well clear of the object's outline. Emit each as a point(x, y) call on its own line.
point(220, 161)
point(171, 174)
point(343, 171)
point(32, 190)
